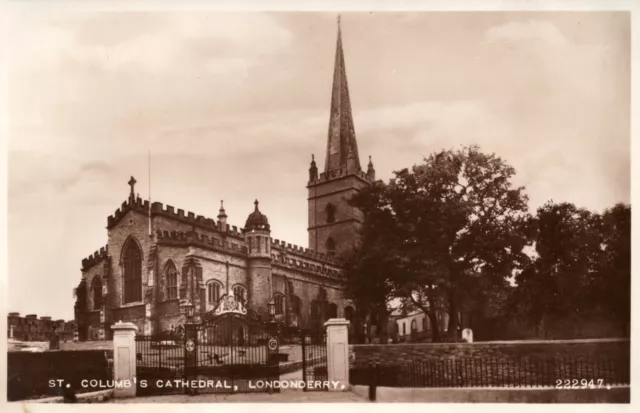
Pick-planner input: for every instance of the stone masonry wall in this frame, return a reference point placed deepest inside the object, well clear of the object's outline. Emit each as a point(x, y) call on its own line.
point(396, 354)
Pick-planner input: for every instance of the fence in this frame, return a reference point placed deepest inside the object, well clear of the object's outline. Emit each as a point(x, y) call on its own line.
point(158, 359)
point(565, 373)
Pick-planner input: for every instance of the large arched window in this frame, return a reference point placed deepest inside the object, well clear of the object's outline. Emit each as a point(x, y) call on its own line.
point(213, 292)
point(330, 212)
point(96, 292)
point(171, 277)
point(132, 265)
point(414, 325)
point(278, 300)
point(240, 293)
point(331, 246)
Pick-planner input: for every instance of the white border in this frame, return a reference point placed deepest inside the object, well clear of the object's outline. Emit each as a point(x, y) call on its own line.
point(318, 5)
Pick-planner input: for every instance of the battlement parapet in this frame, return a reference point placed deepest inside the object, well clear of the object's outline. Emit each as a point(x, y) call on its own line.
point(306, 266)
point(95, 258)
point(289, 248)
point(339, 173)
point(157, 208)
point(194, 238)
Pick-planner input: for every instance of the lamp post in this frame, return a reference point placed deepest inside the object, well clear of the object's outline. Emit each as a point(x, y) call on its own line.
point(188, 309)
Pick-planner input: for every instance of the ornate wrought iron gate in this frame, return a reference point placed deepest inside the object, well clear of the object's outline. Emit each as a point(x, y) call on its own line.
point(314, 357)
point(232, 350)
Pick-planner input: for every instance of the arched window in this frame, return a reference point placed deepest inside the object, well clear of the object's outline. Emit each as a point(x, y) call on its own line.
point(414, 325)
point(404, 329)
point(348, 313)
point(213, 292)
point(240, 293)
point(331, 246)
point(278, 300)
point(132, 265)
point(330, 212)
point(424, 323)
point(96, 292)
point(171, 277)
point(332, 311)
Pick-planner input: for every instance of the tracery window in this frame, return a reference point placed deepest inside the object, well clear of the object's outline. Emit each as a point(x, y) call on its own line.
point(171, 275)
point(213, 292)
point(132, 265)
point(278, 300)
point(96, 292)
point(240, 293)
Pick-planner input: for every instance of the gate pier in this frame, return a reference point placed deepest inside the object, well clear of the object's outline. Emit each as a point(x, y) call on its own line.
point(338, 352)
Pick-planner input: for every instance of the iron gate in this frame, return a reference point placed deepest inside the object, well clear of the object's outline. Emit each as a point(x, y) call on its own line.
point(232, 350)
point(314, 357)
point(159, 362)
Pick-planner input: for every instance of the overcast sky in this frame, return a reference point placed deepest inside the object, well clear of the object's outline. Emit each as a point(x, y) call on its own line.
point(233, 106)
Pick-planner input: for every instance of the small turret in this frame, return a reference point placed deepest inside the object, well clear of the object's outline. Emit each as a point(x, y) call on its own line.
point(313, 170)
point(257, 234)
point(371, 173)
point(222, 217)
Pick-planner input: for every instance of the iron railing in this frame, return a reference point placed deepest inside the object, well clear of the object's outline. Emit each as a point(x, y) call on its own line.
point(565, 373)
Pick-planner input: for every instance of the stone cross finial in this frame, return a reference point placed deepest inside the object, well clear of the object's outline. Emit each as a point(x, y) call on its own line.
point(132, 183)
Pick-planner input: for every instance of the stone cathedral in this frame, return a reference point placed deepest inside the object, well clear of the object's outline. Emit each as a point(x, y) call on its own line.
point(157, 258)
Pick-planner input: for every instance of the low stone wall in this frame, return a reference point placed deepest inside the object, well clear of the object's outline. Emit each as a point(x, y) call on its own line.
point(493, 395)
point(395, 354)
point(37, 375)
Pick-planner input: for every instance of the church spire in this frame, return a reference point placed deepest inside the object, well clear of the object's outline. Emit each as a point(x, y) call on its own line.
point(342, 148)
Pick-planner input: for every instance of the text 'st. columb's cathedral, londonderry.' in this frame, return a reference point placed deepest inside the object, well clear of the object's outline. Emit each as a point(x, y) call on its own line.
point(158, 258)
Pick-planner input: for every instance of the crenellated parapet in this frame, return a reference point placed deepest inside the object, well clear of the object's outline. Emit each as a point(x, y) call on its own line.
point(168, 211)
point(301, 252)
point(180, 238)
point(290, 254)
point(95, 258)
point(339, 173)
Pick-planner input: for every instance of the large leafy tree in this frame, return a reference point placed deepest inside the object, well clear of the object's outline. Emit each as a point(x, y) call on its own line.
point(442, 225)
point(567, 242)
point(611, 290)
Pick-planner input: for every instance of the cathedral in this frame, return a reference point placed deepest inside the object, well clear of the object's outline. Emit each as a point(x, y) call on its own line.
point(162, 267)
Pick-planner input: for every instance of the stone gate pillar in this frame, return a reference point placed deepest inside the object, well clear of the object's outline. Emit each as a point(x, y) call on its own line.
point(338, 352)
point(124, 358)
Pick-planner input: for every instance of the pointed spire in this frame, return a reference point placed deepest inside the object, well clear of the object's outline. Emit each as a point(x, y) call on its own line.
point(222, 213)
point(341, 142)
point(371, 173)
point(313, 170)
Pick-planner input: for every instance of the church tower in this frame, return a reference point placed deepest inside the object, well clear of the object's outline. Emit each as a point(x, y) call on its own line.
point(333, 223)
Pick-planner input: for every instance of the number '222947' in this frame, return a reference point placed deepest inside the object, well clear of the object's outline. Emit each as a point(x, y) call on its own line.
point(579, 384)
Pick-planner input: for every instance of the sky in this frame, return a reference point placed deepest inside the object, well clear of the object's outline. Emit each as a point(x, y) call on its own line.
point(233, 105)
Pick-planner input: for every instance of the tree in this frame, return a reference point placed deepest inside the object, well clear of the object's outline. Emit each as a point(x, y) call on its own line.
point(556, 284)
point(438, 227)
point(611, 290)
